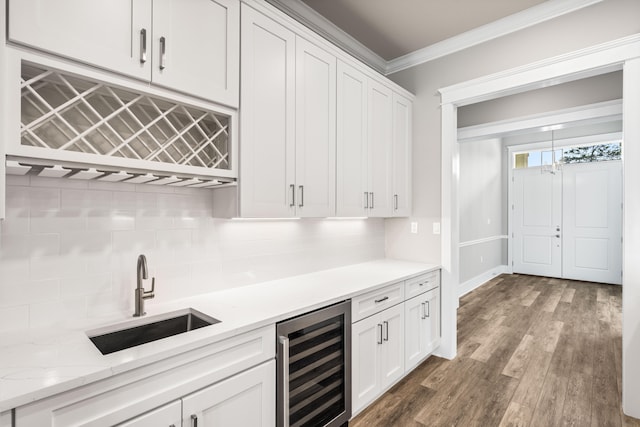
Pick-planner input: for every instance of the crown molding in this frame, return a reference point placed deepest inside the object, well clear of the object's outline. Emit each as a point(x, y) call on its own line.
point(327, 29)
point(602, 58)
point(509, 24)
point(543, 12)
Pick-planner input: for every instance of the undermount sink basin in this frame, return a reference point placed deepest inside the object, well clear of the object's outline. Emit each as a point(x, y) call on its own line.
point(111, 339)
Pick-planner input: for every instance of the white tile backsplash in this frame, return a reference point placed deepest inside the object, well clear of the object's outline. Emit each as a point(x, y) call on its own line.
point(68, 249)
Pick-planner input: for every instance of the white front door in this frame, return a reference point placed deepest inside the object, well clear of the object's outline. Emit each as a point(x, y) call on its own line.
point(537, 220)
point(592, 206)
point(569, 225)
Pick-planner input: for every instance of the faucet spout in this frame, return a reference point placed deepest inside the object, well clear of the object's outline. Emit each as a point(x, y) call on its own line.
point(140, 293)
point(142, 270)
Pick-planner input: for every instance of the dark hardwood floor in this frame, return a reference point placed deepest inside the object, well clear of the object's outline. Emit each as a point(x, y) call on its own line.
point(532, 351)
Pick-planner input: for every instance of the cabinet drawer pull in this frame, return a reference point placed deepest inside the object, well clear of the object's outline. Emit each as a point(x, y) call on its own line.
point(301, 188)
point(366, 200)
point(163, 53)
point(386, 330)
point(194, 420)
point(381, 300)
point(143, 46)
point(379, 333)
point(293, 195)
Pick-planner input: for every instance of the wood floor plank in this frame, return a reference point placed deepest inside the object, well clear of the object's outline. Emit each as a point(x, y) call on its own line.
point(486, 349)
point(567, 295)
point(549, 340)
point(530, 298)
point(518, 362)
point(531, 351)
point(516, 416)
point(548, 411)
point(532, 381)
point(552, 302)
point(577, 404)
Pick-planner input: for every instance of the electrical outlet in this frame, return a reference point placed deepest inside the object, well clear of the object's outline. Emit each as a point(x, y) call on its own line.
point(414, 227)
point(436, 228)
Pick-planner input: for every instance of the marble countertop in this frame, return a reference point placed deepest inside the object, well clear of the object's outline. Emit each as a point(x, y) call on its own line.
point(39, 363)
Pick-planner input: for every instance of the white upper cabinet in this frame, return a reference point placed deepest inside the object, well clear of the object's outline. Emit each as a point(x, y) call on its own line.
point(287, 123)
point(190, 46)
point(373, 147)
point(267, 122)
point(402, 118)
point(315, 131)
point(379, 151)
point(352, 122)
point(109, 34)
point(196, 47)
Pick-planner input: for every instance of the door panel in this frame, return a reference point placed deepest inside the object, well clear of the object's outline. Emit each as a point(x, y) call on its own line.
point(103, 33)
point(379, 150)
point(593, 222)
point(201, 47)
point(392, 358)
point(351, 141)
point(365, 361)
point(315, 130)
point(537, 218)
point(267, 121)
point(246, 399)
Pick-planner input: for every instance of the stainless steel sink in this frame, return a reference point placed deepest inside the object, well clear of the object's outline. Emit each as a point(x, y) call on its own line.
point(111, 339)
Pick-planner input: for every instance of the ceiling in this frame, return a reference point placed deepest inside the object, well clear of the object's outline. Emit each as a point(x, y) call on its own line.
point(394, 28)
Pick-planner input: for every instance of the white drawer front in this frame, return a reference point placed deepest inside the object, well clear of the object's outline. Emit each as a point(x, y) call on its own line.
point(376, 301)
point(422, 284)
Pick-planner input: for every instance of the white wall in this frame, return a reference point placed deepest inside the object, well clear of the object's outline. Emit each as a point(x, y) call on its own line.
point(68, 248)
point(480, 202)
point(608, 20)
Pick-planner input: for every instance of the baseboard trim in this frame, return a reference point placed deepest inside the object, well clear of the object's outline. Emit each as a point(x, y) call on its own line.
point(481, 279)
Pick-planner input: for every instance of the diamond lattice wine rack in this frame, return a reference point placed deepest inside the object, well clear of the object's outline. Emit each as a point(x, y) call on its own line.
point(65, 113)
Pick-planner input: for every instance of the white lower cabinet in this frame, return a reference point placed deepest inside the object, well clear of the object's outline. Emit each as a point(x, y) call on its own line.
point(247, 399)
point(377, 354)
point(422, 326)
point(168, 415)
point(228, 383)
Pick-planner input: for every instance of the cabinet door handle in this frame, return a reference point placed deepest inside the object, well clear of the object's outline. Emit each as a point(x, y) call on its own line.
point(194, 420)
point(301, 188)
point(379, 333)
point(366, 200)
point(143, 46)
point(381, 300)
point(163, 53)
point(371, 199)
point(395, 201)
point(386, 330)
point(293, 195)
point(428, 312)
point(422, 316)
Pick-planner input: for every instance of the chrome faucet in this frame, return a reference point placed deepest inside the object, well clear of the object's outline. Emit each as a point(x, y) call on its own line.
point(140, 293)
